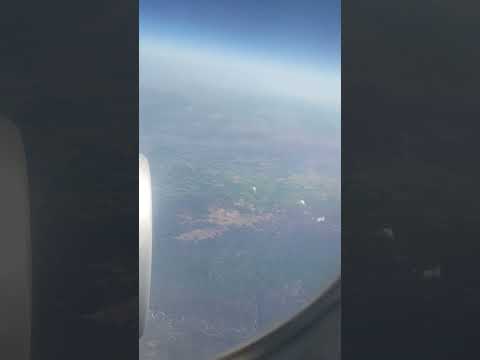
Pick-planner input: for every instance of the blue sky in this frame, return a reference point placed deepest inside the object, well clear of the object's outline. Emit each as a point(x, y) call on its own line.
point(296, 31)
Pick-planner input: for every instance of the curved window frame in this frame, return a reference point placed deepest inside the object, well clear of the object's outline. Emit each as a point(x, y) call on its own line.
point(320, 318)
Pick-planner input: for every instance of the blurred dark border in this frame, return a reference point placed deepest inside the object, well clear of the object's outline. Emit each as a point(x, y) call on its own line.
point(69, 80)
point(410, 210)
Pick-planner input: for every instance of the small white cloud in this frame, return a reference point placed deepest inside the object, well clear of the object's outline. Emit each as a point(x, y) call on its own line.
point(302, 202)
point(254, 189)
point(321, 219)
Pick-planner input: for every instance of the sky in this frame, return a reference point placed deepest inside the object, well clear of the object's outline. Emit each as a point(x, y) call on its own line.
point(294, 32)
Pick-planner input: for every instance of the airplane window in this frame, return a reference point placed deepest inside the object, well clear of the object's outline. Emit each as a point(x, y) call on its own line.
point(240, 123)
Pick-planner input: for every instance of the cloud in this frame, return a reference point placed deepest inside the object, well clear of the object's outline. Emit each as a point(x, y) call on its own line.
point(209, 71)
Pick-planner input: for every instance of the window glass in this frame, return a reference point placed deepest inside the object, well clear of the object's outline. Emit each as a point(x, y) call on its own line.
point(244, 149)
